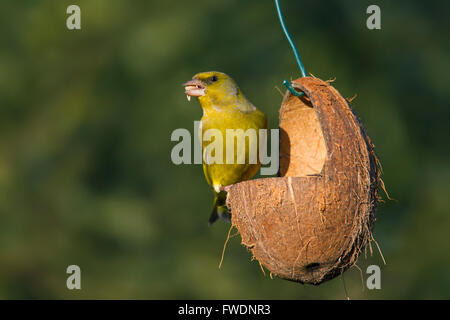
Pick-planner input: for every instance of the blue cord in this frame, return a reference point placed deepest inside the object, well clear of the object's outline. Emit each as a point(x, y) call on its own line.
point(294, 49)
point(287, 84)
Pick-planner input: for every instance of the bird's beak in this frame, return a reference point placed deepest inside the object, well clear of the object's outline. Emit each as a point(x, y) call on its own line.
point(194, 88)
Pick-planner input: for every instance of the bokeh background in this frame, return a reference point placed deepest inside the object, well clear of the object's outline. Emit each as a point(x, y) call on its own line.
point(85, 124)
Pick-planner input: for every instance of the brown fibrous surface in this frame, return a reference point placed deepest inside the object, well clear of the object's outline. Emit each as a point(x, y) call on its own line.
point(310, 224)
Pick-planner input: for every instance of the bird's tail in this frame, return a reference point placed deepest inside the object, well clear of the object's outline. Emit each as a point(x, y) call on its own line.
point(220, 210)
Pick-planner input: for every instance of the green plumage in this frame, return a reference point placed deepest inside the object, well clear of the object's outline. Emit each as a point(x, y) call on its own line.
point(225, 107)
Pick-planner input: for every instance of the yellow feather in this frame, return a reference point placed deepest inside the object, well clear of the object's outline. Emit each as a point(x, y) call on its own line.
point(225, 107)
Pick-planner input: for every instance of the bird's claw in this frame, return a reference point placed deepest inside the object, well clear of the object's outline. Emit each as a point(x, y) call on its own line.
point(226, 188)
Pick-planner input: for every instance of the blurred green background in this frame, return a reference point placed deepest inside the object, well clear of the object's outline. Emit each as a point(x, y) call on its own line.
point(85, 124)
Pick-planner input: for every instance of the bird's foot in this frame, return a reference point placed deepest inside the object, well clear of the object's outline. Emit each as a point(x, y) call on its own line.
point(226, 188)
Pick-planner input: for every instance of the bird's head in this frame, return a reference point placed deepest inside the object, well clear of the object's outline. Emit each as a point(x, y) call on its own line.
point(212, 88)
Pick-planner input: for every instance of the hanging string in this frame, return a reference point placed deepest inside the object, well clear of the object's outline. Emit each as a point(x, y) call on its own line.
point(286, 83)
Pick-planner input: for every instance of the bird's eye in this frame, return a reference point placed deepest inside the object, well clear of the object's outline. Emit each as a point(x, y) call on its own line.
point(213, 78)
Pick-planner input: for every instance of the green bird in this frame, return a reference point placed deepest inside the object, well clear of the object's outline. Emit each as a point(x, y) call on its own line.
point(225, 107)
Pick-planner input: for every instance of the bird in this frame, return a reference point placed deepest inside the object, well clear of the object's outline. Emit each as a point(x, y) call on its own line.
point(225, 107)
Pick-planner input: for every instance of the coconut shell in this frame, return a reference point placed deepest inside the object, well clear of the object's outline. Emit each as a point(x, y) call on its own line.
point(310, 224)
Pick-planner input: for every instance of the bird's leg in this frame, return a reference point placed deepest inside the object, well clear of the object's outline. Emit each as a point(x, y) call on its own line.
point(226, 188)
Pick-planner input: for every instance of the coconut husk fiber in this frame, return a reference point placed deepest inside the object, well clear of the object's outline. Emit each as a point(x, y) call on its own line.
point(310, 224)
